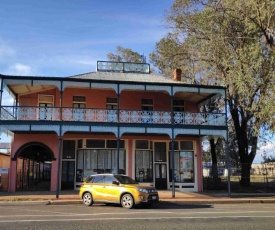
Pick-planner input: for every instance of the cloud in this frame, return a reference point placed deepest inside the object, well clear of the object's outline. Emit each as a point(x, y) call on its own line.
point(19, 69)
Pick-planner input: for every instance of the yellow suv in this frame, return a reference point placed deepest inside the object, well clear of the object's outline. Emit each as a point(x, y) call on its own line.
point(116, 188)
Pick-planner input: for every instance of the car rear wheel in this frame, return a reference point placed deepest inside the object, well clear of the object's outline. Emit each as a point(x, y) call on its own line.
point(127, 201)
point(87, 199)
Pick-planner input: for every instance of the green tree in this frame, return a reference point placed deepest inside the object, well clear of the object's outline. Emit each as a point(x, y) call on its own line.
point(126, 55)
point(230, 43)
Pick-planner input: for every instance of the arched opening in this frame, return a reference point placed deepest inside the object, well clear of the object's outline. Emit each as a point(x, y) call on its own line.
point(34, 162)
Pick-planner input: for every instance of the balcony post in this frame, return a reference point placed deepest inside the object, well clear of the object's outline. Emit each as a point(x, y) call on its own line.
point(118, 130)
point(172, 143)
point(61, 102)
point(227, 149)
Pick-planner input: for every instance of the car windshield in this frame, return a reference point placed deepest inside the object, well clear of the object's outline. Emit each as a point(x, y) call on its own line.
point(125, 179)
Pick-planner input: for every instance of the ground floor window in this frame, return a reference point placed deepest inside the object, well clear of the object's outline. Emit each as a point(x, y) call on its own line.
point(144, 166)
point(183, 167)
point(96, 161)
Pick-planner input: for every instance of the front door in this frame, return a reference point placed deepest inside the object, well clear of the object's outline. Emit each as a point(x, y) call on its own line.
point(67, 179)
point(160, 158)
point(161, 176)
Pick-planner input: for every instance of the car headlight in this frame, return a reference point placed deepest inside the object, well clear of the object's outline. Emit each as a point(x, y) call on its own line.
point(142, 190)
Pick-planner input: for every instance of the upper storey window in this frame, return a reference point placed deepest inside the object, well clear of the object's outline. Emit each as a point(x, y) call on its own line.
point(79, 101)
point(111, 103)
point(147, 104)
point(178, 105)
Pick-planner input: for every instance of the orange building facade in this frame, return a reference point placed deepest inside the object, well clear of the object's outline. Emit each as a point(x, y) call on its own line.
point(119, 119)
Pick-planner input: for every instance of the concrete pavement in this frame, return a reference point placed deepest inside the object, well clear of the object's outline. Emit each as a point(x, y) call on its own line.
point(71, 197)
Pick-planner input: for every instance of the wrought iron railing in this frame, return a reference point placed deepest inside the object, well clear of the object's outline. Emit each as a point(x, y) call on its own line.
point(22, 113)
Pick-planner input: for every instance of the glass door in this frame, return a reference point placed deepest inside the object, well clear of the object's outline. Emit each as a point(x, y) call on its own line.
point(161, 176)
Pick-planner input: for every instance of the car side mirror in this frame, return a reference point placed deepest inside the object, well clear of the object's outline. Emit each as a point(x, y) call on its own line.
point(115, 182)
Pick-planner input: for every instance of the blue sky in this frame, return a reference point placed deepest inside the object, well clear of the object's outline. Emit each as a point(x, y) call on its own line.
point(67, 37)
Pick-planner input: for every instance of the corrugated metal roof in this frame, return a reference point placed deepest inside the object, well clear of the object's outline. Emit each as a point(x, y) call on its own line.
point(134, 77)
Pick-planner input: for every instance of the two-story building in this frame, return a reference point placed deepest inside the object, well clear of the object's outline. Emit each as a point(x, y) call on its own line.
point(119, 119)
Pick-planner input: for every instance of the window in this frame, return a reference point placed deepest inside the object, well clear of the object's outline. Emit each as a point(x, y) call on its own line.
point(93, 143)
point(109, 179)
point(111, 103)
point(184, 166)
point(79, 105)
point(178, 105)
point(143, 161)
point(68, 149)
point(147, 104)
point(184, 162)
point(141, 144)
point(45, 102)
point(97, 161)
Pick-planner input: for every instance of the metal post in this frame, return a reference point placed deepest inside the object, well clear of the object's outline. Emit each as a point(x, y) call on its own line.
point(227, 150)
point(173, 141)
point(58, 164)
point(173, 165)
point(118, 132)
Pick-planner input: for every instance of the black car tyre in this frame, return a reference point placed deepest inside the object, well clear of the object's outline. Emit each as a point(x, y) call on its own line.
point(127, 201)
point(87, 199)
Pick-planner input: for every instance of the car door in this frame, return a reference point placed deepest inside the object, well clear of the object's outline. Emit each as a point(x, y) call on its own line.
point(98, 188)
point(112, 190)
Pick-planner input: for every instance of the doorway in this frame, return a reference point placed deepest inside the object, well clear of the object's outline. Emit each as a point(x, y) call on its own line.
point(160, 158)
point(67, 180)
point(161, 176)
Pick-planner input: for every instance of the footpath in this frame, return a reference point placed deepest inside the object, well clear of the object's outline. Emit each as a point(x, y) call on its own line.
point(71, 197)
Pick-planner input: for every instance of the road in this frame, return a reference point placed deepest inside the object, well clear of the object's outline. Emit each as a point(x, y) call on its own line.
point(164, 216)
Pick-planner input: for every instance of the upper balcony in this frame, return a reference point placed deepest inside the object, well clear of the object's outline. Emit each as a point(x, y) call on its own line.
point(90, 115)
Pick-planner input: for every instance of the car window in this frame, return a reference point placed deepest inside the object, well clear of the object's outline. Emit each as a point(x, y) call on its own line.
point(109, 179)
point(125, 179)
point(98, 179)
point(90, 179)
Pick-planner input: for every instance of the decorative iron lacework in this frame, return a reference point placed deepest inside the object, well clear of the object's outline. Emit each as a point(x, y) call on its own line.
point(131, 130)
point(186, 131)
point(54, 128)
point(105, 86)
point(160, 130)
point(217, 119)
point(75, 128)
point(159, 88)
point(105, 129)
point(7, 113)
point(75, 84)
point(219, 91)
point(151, 117)
point(134, 87)
point(47, 82)
point(200, 118)
point(214, 132)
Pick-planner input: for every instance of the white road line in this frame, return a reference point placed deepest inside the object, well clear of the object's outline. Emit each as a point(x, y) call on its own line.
point(136, 218)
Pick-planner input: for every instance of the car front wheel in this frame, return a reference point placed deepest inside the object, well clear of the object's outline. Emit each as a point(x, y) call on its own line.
point(87, 199)
point(127, 201)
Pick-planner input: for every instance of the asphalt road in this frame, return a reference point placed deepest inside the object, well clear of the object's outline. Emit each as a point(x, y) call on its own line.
point(164, 216)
